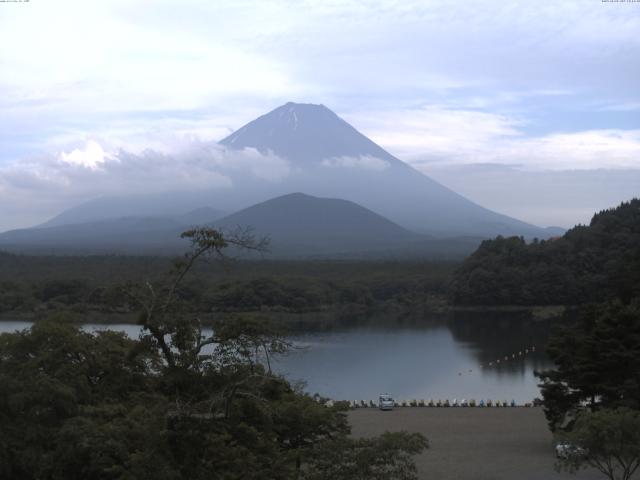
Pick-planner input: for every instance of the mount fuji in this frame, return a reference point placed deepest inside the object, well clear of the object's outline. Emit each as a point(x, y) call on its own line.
point(332, 159)
point(318, 154)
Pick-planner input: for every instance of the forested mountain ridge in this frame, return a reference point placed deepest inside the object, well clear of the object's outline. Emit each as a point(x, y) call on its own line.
point(588, 264)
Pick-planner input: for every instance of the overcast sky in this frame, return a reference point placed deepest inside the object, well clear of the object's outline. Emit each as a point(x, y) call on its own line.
point(537, 88)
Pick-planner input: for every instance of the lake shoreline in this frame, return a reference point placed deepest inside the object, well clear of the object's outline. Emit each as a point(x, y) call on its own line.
point(319, 320)
point(435, 360)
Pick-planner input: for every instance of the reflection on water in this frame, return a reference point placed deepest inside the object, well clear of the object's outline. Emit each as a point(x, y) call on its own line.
point(492, 337)
point(438, 362)
point(444, 360)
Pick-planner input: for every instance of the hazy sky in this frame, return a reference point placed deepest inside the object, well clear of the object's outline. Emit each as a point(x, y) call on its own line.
point(538, 87)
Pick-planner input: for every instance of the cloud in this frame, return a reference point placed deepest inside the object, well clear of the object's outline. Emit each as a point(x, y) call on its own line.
point(135, 64)
point(265, 166)
point(435, 131)
point(442, 135)
point(124, 61)
point(591, 149)
point(35, 188)
point(90, 157)
point(364, 162)
point(434, 82)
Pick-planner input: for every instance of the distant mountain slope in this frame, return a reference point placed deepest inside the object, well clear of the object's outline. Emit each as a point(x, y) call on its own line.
point(298, 225)
point(587, 264)
point(166, 205)
point(122, 235)
point(302, 223)
point(199, 216)
point(328, 158)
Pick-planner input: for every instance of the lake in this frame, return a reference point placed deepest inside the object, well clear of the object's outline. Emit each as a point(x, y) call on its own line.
point(462, 358)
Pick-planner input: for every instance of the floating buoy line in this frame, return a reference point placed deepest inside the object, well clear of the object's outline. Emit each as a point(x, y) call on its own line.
point(502, 360)
point(455, 402)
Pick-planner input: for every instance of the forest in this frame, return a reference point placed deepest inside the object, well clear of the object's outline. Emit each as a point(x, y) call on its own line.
point(305, 294)
point(590, 263)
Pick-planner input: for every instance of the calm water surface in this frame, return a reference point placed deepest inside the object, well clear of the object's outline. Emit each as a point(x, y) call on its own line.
point(440, 361)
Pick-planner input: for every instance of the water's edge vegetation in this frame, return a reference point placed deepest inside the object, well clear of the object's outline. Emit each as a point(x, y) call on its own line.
point(299, 295)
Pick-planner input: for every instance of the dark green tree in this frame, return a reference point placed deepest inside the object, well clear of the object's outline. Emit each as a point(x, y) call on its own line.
point(387, 457)
point(180, 402)
point(607, 440)
point(597, 360)
point(52, 375)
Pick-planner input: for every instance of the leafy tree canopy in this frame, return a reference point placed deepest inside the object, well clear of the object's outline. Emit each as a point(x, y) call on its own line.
point(589, 263)
point(177, 403)
point(607, 440)
point(597, 360)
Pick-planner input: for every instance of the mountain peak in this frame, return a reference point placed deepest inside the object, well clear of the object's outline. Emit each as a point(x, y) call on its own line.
point(301, 222)
point(304, 133)
point(303, 106)
point(291, 114)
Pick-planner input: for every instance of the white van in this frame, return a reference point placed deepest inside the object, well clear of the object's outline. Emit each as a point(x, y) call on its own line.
point(385, 402)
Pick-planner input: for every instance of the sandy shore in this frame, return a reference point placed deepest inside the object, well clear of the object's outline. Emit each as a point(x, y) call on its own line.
point(474, 443)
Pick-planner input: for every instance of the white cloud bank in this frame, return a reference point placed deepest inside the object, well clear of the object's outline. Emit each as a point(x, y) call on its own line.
point(441, 135)
point(34, 189)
